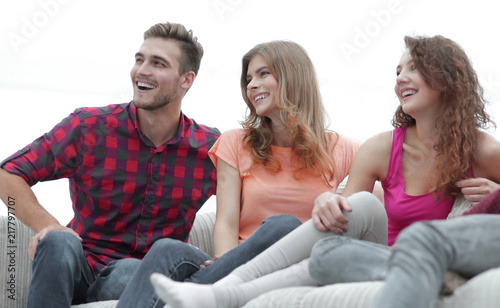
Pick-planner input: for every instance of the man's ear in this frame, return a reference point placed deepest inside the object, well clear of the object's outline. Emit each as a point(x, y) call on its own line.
point(187, 80)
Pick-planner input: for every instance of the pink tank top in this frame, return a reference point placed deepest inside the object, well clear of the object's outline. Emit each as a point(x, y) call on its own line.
point(403, 209)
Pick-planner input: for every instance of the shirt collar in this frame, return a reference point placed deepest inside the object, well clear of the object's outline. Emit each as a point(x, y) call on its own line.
point(181, 132)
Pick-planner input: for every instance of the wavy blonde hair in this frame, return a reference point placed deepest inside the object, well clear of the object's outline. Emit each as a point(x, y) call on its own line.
point(301, 110)
point(445, 67)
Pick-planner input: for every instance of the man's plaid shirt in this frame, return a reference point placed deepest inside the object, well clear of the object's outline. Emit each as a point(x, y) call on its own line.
point(126, 193)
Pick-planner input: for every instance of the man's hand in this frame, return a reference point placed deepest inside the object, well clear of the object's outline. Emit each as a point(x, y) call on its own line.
point(40, 235)
point(476, 189)
point(327, 213)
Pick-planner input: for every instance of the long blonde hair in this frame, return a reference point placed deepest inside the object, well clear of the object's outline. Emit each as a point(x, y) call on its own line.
point(301, 110)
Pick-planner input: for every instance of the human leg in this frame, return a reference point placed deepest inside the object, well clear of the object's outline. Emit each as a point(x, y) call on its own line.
point(338, 259)
point(180, 295)
point(271, 230)
point(112, 280)
point(173, 258)
point(61, 274)
point(424, 252)
point(242, 284)
point(367, 221)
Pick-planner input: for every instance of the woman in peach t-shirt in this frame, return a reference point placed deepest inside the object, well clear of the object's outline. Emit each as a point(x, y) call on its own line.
point(270, 172)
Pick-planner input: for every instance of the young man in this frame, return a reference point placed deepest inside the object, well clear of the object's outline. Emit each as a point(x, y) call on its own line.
point(138, 172)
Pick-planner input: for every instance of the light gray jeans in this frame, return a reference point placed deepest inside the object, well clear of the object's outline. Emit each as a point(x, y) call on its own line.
point(414, 272)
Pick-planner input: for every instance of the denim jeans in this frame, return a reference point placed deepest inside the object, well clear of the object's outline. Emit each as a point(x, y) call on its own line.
point(62, 276)
point(423, 252)
point(181, 261)
point(339, 259)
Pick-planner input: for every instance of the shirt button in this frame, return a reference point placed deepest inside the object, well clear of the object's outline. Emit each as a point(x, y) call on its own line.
point(154, 178)
point(156, 158)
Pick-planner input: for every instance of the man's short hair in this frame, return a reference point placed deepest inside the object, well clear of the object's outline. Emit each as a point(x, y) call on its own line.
point(191, 49)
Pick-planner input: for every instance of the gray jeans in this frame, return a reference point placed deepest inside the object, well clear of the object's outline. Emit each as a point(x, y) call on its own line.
point(415, 270)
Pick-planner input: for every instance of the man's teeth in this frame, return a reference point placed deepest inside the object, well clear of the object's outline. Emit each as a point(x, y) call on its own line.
point(408, 92)
point(145, 85)
point(262, 96)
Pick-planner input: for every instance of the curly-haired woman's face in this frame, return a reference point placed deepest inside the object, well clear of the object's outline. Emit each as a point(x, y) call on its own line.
point(262, 87)
point(414, 94)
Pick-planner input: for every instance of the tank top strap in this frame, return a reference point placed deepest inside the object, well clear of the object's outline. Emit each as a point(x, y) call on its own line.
point(396, 160)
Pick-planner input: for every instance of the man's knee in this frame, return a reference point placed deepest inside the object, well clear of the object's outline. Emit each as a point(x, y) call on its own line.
point(60, 244)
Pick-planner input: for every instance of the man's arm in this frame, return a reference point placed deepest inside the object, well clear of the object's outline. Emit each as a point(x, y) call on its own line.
point(27, 209)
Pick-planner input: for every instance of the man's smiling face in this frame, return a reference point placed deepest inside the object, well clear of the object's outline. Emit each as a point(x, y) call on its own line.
point(155, 74)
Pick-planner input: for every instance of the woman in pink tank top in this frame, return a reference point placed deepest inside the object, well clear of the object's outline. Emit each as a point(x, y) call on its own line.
point(436, 152)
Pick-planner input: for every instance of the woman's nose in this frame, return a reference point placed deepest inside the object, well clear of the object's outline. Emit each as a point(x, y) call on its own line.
point(253, 84)
point(401, 78)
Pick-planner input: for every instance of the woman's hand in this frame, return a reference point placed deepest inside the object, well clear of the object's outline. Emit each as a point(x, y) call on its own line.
point(476, 189)
point(208, 262)
point(327, 212)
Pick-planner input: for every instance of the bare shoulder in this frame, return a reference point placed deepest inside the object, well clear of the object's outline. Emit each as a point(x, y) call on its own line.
point(488, 157)
point(488, 147)
point(373, 156)
point(379, 144)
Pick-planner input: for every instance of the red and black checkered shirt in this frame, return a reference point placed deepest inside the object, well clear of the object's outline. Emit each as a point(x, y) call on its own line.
point(489, 205)
point(126, 192)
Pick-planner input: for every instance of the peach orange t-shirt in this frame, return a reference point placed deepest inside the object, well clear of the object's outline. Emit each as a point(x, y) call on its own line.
point(265, 193)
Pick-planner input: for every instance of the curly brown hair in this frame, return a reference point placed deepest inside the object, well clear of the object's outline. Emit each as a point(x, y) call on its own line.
point(301, 110)
point(445, 67)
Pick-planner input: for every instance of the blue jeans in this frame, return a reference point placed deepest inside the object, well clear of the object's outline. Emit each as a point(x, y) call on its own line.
point(423, 252)
point(181, 261)
point(62, 276)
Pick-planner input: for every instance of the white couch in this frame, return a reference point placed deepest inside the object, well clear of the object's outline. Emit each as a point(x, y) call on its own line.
point(481, 291)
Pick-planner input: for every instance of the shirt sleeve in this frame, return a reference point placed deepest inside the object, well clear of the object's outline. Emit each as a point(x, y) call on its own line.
point(54, 155)
point(228, 148)
point(344, 152)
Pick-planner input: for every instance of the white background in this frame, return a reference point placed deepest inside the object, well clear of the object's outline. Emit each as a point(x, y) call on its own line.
point(60, 55)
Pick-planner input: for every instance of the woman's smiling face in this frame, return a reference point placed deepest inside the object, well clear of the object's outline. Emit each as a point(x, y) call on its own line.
point(262, 87)
point(412, 90)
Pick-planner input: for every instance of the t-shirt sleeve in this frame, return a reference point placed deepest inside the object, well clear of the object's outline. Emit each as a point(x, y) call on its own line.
point(344, 152)
point(228, 148)
point(52, 156)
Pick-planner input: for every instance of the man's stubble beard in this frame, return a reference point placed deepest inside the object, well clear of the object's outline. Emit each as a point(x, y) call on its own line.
point(159, 101)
